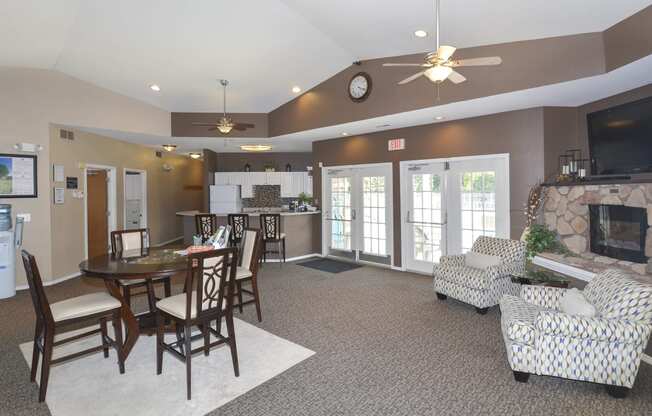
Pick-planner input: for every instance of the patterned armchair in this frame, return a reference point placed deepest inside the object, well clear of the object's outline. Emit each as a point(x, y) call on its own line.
point(482, 288)
point(604, 349)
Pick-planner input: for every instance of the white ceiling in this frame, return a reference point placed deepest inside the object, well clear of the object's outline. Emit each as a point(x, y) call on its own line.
point(263, 47)
point(570, 94)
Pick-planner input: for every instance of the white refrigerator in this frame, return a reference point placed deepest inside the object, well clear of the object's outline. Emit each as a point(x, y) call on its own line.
point(225, 199)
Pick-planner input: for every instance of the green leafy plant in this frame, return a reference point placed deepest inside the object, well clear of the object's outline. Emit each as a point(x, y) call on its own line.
point(540, 239)
point(304, 199)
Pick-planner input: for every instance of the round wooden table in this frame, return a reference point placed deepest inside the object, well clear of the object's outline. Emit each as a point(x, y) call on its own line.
point(135, 264)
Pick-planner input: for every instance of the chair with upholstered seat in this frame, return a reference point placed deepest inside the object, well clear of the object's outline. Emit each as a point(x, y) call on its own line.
point(207, 298)
point(270, 225)
point(52, 317)
point(124, 241)
point(239, 223)
point(247, 272)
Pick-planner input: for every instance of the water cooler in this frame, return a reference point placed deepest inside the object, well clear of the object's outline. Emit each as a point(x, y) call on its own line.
point(9, 240)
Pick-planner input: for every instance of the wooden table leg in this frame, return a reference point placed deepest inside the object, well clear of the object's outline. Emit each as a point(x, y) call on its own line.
point(131, 323)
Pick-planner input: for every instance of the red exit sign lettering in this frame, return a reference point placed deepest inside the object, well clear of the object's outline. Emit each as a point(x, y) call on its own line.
point(395, 144)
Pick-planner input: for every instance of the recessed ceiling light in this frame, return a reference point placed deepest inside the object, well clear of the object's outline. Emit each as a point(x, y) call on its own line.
point(169, 147)
point(439, 118)
point(420, 33)
point(256, 147)
point(296, 89)
point(345, 134)
point(155, 87)
point(194, 155)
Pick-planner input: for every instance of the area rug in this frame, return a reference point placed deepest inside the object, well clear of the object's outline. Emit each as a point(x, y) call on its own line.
point(329, 265)
point(92, 384)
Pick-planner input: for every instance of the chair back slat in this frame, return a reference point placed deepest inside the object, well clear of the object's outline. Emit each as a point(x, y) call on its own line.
point(250, 247)
point(206, 225)
point(124, 240)
point(239, 223)
point(270, 224)
point(212, 276)
point(35, 283)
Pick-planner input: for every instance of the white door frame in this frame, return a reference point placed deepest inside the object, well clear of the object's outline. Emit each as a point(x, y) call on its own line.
point(112, 200)
point(404, 198)
point(389, 207)
point(143, 180)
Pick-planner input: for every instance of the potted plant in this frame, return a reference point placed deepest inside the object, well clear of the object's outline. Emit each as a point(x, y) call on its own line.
point(304, 199)
point(539, 239)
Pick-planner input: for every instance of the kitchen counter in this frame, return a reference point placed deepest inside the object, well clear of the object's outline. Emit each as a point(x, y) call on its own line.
point(302, 229)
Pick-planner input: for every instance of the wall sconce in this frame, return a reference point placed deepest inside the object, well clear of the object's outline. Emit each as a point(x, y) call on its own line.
point(247, 167)
point(169, 147)
point(194, 155)
point(28, 147)
point(167, 168)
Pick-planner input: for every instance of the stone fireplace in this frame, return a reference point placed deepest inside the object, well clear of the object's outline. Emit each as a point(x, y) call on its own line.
point(608, 224)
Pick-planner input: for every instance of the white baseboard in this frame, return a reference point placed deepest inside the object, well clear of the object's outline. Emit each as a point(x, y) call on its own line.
point(52, 282)
point(307, 256)
point(167, 242)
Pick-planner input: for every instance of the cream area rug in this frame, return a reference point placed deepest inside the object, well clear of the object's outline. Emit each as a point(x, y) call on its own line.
point(92, 385)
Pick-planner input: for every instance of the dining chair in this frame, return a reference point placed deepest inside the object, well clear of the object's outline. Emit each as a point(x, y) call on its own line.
point(206, 225)
point(247, 272)
point(239, 223)
point(207, 298)
point(138, 239)
point(270, 224)
point(51, 318)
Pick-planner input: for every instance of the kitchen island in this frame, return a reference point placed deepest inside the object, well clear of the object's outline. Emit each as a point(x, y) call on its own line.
point(302, 229)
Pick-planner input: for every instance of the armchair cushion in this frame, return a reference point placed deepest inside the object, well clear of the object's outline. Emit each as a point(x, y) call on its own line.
point(480, 261)
point(617, 295)
point(595, 328)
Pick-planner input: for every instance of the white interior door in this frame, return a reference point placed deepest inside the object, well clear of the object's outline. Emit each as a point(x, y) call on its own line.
point(448, 204)
point(358, 213)
point(135, 199)
point(424, 224)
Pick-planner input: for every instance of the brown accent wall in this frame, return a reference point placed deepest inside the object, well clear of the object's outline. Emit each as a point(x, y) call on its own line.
point(181, 124)
point(234, 162)
point(167, 192)
point(519, 133)
point(629, 40)
point(526, 64)
point(560, 134)
point(210, 166)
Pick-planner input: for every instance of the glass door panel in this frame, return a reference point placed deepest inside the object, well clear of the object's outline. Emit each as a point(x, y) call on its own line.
point(340, 217)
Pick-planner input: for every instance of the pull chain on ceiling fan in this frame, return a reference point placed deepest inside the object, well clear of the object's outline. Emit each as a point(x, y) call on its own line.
point(439, 63)
point(225, 124)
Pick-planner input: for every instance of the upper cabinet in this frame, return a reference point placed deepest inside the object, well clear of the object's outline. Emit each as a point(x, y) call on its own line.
point(292, 183)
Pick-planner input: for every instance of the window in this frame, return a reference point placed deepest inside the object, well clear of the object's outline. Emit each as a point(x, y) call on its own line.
point(341, 212)
point(478, 207)
point(374, 217)
point(426, 218)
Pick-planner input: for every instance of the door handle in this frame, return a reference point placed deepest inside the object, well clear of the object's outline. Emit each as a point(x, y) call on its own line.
point(353, 214)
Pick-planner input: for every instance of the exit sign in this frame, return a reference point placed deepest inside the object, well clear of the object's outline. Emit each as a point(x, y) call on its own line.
point(395, 144)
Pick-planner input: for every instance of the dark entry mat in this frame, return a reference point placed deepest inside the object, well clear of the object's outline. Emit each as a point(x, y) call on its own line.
point(329, 265)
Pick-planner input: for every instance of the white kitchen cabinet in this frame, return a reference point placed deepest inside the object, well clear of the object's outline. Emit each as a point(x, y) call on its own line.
point(273, 178)
point(288, 190)
point(222, 178)
point(247, 188)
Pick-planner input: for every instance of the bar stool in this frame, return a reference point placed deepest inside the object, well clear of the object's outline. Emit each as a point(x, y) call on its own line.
point(206, 225)
point(239, 223)
point(270, 225)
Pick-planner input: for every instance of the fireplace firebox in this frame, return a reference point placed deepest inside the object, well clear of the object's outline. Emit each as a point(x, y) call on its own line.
point(619, 232)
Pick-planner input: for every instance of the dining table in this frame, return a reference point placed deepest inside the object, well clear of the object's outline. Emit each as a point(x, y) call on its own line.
point(145, 263)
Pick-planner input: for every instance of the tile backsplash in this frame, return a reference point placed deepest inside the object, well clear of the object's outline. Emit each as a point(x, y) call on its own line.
point(266, 196)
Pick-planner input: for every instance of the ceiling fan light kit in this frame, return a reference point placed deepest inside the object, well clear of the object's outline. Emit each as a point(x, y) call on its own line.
point(225, 124)
point(256, 147)
point(438, 73)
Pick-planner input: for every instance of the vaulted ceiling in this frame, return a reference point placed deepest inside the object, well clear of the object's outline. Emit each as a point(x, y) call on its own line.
point(264, 47)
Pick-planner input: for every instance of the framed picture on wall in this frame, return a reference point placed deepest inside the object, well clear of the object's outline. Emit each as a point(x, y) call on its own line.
point(18, 176)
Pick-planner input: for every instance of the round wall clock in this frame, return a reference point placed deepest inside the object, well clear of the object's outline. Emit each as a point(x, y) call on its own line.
point(360, 87)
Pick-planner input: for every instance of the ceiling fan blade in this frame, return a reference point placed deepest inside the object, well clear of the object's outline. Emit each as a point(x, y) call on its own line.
point(243, 126)
point(456, 77)
point(391, 64)
point(487, 61)
point(411, 78)
point(445, 52)
point(204, 124)
point(213, 128)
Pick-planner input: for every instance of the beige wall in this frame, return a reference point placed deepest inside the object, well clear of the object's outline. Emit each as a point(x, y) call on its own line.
point(167, 192)
point(32, 99)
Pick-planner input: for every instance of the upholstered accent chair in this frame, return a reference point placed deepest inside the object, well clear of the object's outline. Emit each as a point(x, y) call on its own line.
point(605, 349)
point(481, 288)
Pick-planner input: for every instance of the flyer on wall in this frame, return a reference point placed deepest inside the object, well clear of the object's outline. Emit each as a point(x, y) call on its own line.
point(17, 176)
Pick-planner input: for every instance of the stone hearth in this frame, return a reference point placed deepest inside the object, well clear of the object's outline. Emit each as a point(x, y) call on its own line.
point(566, 211)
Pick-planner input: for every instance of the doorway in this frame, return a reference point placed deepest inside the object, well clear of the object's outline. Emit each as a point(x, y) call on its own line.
point(135, 199)
point(448, 203)
point(99, 208)
point(358, 218)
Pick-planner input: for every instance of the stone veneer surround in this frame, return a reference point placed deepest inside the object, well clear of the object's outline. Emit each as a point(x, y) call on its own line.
point(566, 211)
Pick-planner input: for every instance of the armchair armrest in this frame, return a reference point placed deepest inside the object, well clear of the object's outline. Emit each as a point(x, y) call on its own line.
point(544, 296)
point(597, 328)
point(503, 269)
point(455, 260)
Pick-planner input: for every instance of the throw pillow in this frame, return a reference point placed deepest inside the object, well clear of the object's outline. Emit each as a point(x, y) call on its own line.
point(481, 261)
point(573, 302)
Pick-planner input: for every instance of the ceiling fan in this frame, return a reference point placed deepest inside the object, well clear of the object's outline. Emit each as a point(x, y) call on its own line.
point(440, 65)
point(225, 124)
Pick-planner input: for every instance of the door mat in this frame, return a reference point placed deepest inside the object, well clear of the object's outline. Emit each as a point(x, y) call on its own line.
point(329, 265)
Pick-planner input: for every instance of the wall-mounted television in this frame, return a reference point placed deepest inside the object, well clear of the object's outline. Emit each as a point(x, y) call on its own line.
point(620, 139)
point(18, 176)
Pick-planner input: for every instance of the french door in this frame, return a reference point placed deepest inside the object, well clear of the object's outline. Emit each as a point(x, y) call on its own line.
point(448, 204)
point(358, 213)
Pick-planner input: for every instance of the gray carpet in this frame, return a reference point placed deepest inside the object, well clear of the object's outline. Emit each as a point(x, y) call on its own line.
point(384, 346)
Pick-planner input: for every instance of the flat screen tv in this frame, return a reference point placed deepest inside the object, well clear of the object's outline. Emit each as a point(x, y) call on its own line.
point(620, 139)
